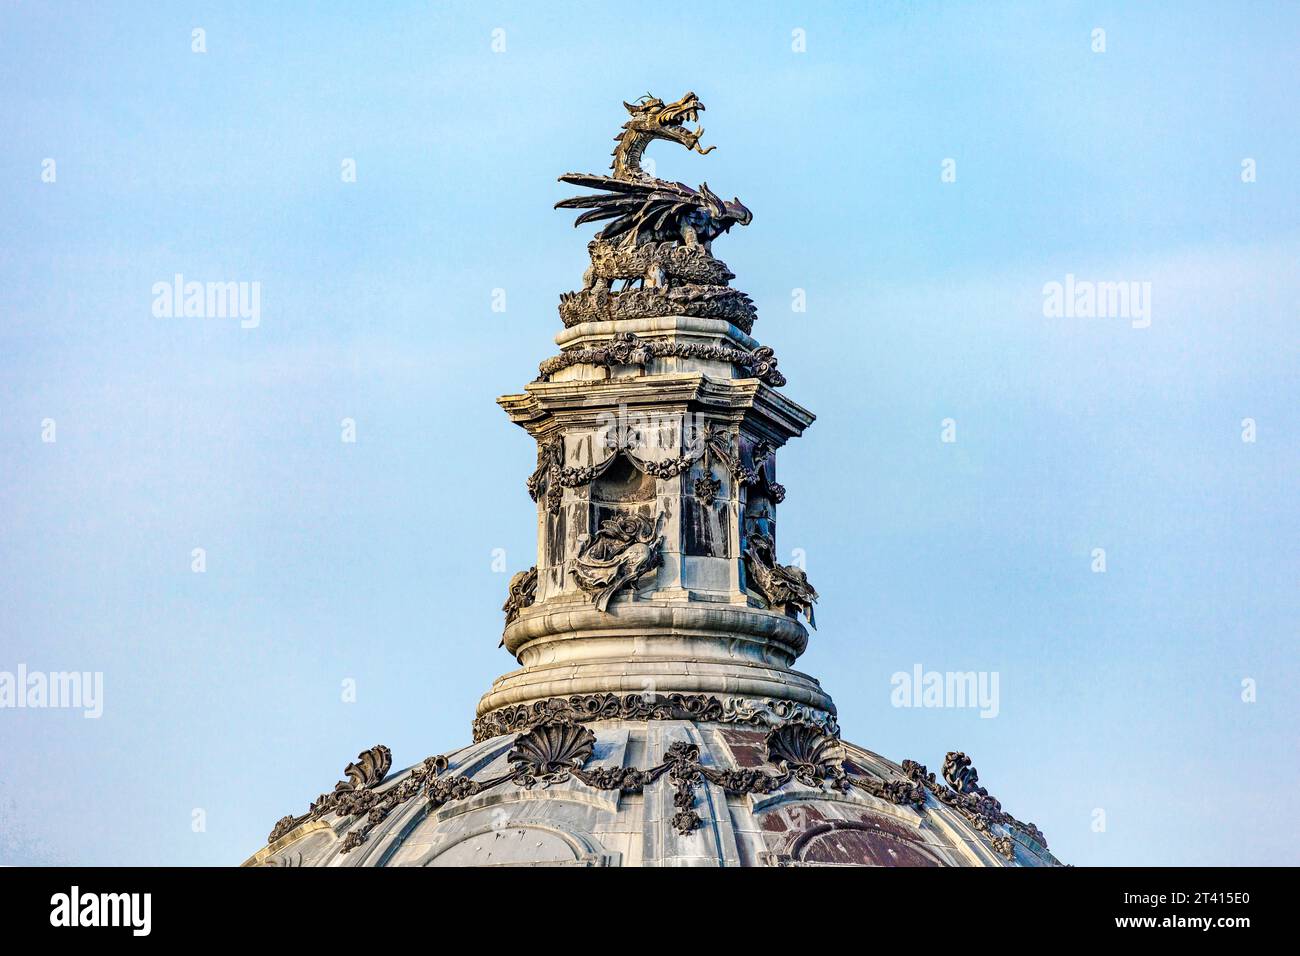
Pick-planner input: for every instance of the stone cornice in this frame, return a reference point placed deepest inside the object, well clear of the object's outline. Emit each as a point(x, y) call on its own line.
point(582, 402)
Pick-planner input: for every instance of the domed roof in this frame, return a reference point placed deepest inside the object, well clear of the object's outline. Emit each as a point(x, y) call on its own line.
point(656, 793)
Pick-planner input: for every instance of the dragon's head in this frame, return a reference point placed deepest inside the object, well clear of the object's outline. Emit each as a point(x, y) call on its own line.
point(652, 118)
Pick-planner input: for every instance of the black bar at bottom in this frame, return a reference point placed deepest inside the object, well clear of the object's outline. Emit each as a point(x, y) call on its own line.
point(365, 906)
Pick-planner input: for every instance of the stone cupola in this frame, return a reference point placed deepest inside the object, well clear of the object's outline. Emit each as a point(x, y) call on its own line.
point(670, 423)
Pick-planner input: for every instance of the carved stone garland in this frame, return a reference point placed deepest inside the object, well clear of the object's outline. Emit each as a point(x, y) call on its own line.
point(367, 773)
point(557, 750)
point(706, 708)
point(716, 443)
point(552, 476)
point(626, 349)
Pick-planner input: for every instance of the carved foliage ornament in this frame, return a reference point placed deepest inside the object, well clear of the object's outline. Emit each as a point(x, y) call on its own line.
point(558, 750)
point(962, 792)
point(627, 349)
point(701, 301)
point(706, 489)
point(1006, 846)
point(697, 707)
point(716, 444)
point(365, 774)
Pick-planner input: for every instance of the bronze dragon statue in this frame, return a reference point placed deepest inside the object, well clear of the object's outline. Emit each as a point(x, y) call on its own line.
point(659, 238)
point(645, 209)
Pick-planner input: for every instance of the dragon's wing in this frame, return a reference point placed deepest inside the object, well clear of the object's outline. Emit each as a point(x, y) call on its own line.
point(631, 205)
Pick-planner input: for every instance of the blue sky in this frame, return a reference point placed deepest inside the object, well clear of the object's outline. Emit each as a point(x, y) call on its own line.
point(372, 561)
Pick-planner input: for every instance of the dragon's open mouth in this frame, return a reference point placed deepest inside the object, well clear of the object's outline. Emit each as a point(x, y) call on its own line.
point(672, 117)
point(684, 114)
